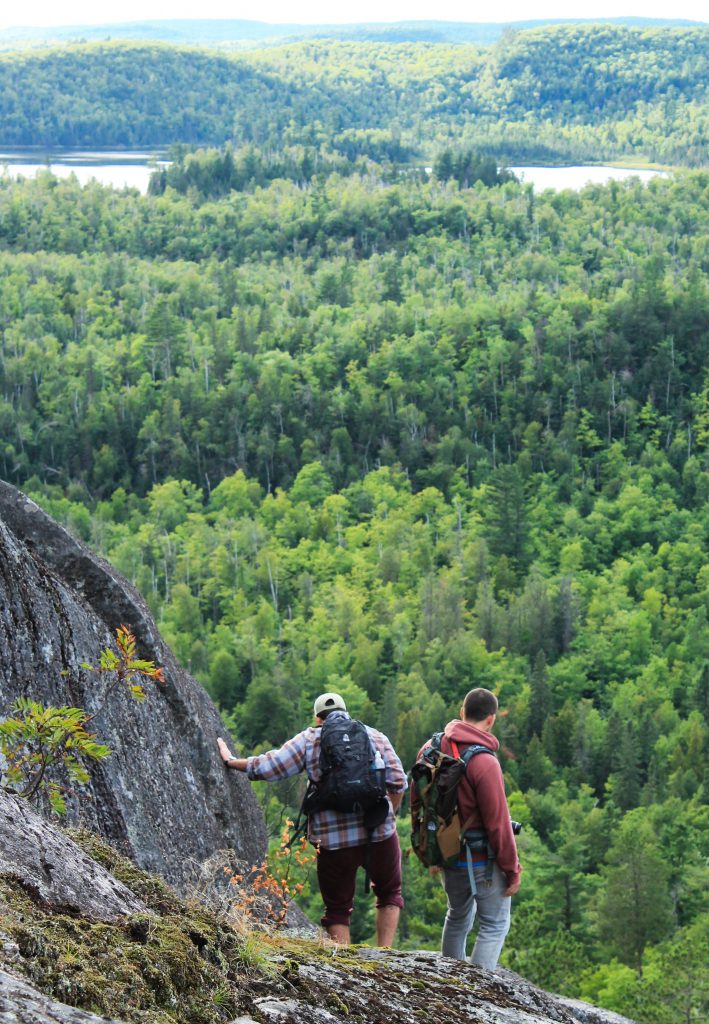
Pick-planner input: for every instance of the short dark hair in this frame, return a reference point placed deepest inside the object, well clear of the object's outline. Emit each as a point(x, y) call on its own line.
point(478, 704)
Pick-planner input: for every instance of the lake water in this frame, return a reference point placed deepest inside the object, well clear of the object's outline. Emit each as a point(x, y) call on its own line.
point(576, 177)
point(133, 169)
point(118, 168)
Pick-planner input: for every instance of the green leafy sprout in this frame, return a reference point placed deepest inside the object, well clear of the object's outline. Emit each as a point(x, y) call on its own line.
point(38, 738)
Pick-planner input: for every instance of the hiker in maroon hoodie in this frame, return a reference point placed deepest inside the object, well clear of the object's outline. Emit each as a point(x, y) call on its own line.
point(487, 876)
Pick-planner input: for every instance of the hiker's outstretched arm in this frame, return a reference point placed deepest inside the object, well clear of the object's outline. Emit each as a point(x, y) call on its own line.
point(230, 761)
point(276, 764)
point(281, 763)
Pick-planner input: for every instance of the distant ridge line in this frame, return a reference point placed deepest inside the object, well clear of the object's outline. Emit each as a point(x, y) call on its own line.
point(214, 31)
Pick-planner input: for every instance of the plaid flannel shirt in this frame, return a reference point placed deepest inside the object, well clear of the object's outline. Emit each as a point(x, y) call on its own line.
point(330, 829)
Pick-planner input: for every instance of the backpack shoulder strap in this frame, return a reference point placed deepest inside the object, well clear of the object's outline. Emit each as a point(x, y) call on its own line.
point(475, 748)
point(467, 756)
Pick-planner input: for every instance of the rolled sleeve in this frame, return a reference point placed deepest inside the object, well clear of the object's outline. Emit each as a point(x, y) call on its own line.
point(279, 764)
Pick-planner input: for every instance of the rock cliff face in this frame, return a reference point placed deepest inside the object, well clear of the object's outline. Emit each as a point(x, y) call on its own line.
point(163, 796)
point(54, 870)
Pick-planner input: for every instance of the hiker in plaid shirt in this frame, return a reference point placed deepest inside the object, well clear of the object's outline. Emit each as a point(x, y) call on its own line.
point(341, 839)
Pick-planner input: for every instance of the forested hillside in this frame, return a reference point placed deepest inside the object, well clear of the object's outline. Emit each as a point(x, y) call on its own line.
point(559, 93)
point(351, 425)
point(397, 438)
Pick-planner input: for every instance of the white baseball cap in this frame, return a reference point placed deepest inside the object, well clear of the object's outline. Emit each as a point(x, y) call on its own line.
point(328, 702)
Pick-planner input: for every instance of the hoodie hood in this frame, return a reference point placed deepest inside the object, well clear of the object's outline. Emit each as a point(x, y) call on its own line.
point(464, 733)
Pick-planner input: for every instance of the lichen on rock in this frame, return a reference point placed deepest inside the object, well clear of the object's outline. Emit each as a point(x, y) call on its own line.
point(58, 873)
point(149, 956)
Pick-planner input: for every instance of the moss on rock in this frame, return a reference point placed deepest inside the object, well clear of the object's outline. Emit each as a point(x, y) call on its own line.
point(177, 963)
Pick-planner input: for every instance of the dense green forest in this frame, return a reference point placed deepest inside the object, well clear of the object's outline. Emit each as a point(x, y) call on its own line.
point(397, 437)
point(350, 425)
point(561, 93)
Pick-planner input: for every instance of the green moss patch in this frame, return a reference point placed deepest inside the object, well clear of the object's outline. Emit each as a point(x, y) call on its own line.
point(182, 963)
point(177, 963)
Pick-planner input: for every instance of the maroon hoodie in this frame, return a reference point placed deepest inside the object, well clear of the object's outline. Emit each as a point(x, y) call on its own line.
point(481, 794)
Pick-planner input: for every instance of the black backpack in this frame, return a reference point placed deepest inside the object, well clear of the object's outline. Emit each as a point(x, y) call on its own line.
point(437, 834)
point(352, 771)
point(352, 780)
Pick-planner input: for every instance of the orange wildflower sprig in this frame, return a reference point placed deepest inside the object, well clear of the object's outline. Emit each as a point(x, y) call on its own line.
point(263, 895)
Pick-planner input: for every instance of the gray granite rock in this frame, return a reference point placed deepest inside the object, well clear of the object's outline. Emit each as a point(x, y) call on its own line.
point(297, 982)
point(20, 1003)
point(403, 989)
point(55, 870)
point(163, 797)
point(380, 986)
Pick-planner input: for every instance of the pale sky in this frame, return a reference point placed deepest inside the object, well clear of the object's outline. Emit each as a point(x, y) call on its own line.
point(88, 12)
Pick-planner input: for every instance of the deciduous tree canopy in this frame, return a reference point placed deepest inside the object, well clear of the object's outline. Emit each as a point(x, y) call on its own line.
point(351, 426)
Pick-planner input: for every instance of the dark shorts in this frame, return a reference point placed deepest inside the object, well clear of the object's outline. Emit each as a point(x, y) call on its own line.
point(337, 870)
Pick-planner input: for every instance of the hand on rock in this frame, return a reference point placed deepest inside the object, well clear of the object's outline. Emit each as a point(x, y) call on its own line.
point(224, 751)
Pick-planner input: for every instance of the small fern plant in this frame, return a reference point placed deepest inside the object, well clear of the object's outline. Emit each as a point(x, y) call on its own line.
point(36, 740)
